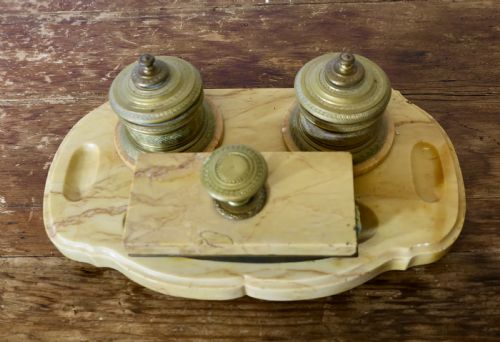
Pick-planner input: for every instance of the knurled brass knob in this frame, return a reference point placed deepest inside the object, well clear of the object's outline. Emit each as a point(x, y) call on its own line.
point(234, 174)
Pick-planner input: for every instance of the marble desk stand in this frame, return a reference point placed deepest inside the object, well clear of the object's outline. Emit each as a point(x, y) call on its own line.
point(412, 205)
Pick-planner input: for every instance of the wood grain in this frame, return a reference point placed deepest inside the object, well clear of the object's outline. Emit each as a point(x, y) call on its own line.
point(57, 61)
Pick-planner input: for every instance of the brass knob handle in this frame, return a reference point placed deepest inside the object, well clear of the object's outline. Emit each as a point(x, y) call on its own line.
point(234, 174)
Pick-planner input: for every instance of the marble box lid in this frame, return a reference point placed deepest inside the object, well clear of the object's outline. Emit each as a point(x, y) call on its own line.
point(310, 209)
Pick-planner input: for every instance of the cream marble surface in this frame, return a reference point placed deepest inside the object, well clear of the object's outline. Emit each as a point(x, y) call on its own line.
point(309, 210)
point(412, 205)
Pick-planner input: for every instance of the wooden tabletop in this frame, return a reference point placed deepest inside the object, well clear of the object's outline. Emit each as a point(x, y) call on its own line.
point(57, 61)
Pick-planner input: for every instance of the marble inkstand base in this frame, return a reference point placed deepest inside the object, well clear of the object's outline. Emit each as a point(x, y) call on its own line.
point(412, 205)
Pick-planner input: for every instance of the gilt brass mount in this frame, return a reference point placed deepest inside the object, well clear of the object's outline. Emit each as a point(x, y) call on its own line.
point(341, 102)
point(161, 107)
point(234, 176)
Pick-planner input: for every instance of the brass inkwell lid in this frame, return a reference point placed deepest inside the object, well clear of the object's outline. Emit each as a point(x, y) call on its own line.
point(154, 90)
point(161, 107)
point(343, 91)
point(341, 100)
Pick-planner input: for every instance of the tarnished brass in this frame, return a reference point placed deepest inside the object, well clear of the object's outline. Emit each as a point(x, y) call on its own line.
point(161, 107)
point(149, 73)
point(342, 98)
point(235, 175)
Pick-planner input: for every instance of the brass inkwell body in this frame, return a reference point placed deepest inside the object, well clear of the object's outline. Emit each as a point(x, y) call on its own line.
point(161, 107)
point(341, 102)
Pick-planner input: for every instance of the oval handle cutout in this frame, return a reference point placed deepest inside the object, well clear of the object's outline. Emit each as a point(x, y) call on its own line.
point(81, 172)
point(427, 172)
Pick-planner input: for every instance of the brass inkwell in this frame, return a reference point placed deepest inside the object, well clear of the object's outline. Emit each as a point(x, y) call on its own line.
point(272, 213)
point(162, 108)
point(341, 102)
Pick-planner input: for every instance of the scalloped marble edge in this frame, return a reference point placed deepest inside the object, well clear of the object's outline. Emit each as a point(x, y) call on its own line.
point(204, 279)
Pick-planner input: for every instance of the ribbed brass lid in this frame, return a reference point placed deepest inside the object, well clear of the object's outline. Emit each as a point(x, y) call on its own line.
point(342, 89)
point(234, 173)
point(155, 90)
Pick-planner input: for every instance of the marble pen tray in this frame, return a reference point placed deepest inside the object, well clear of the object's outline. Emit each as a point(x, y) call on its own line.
point(412, 205)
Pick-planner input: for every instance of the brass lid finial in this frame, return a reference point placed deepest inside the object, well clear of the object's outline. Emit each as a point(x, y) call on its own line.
point(146, 62)
point(344, 70)
point(345, 62)
point(149, 72)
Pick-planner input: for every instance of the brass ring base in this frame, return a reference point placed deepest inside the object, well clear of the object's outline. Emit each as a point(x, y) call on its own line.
point(129, 151)
point(358, 168)
point(244, 211)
